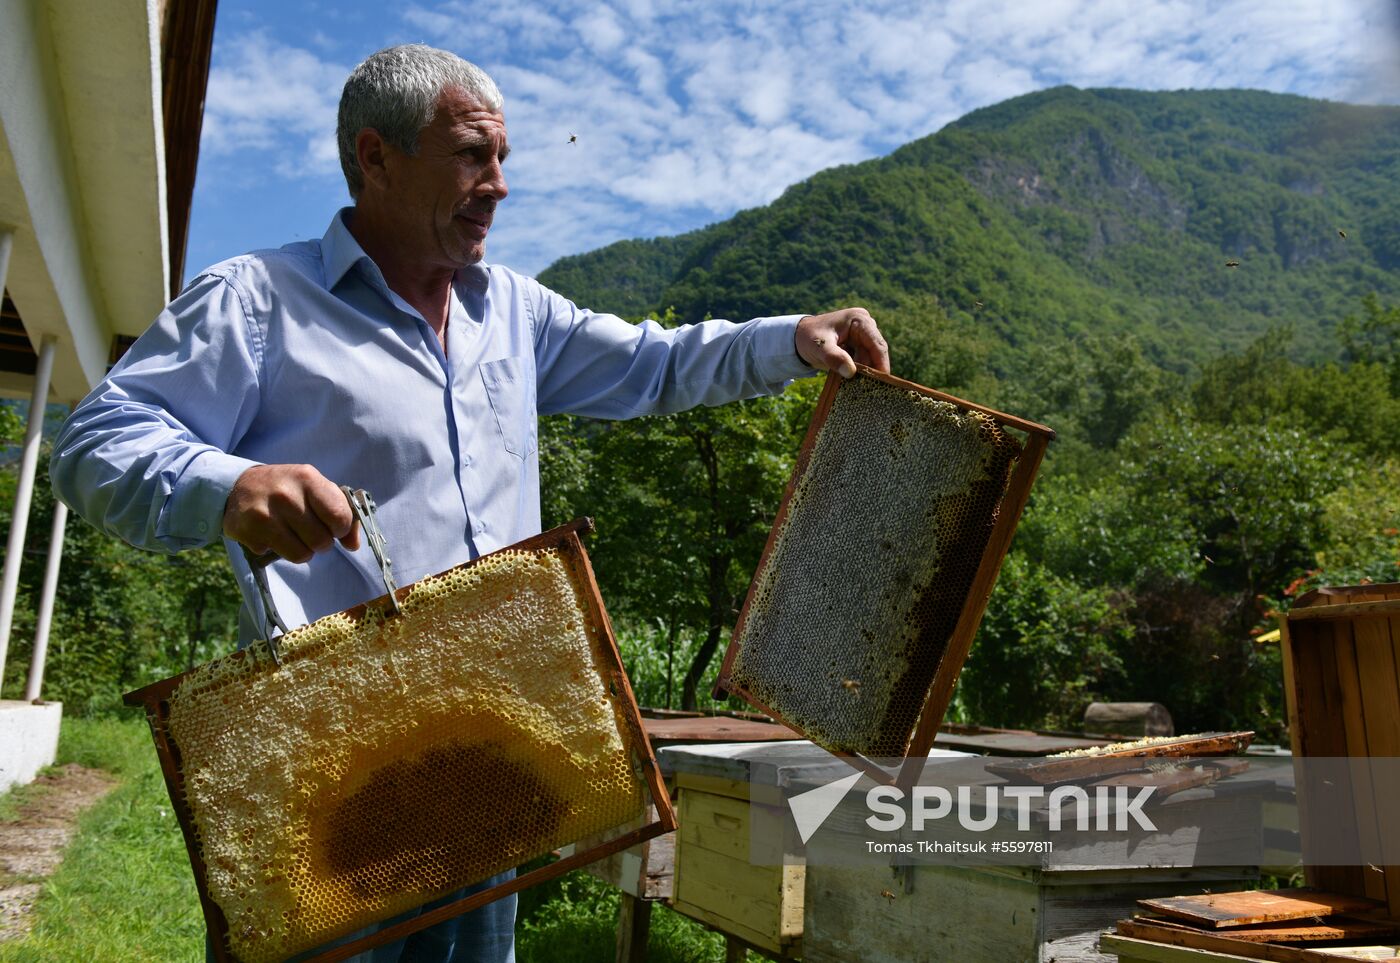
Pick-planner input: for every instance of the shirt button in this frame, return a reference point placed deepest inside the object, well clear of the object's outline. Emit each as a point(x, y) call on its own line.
point(467, 461)
point(203, 528)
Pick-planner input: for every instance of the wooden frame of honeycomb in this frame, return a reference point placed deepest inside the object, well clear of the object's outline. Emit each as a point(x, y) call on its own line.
point(886, 546)
point(389, 761)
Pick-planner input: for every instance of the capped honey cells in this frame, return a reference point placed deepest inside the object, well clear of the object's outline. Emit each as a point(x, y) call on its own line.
point(389, 762)
point(851, 612)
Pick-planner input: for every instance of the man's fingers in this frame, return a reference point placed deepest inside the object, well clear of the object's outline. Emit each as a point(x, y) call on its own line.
point(292, 510)
point(328, 503)
point(830, 356)
point(841, 339)
point(283, 540)
point(351, 539)
point(865, 342)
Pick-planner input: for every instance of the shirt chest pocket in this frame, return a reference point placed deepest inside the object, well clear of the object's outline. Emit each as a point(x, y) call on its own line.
point(510, 387)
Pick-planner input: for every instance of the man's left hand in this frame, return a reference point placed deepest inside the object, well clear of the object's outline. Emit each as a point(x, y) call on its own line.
point(840, 340)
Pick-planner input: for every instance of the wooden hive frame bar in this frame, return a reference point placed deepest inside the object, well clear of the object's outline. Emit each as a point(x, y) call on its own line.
point(567, 542)
point(1036, 438)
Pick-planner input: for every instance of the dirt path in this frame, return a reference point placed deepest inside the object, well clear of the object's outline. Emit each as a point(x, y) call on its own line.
point(31, 846)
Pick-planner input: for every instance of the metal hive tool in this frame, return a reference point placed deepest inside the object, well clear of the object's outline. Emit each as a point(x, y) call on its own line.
point(886, 546)
point(389, 761)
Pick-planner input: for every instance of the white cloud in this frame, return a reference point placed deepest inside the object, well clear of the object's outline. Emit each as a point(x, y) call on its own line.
point(687, 112)
point(271, 97)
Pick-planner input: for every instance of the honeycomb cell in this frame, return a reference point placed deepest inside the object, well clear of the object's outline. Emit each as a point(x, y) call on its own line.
point(389, 762)
point(852, 610)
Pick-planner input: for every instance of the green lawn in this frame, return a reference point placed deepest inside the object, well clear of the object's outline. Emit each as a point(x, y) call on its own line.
point(124, 891)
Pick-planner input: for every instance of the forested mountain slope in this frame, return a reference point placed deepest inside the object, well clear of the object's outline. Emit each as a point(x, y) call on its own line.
point(1063, 212)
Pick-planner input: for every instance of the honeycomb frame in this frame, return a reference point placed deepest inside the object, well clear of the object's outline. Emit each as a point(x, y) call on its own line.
point(616, 720)
point(815, 698)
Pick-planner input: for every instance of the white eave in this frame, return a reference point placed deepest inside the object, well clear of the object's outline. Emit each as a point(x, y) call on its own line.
point(82, 179)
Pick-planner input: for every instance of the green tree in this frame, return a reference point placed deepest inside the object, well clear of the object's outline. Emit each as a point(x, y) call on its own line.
point(1046, 648)
point(1373, 337)
point(683, 505)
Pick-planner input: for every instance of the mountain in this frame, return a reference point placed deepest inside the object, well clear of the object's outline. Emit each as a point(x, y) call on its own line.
point(1060, 213)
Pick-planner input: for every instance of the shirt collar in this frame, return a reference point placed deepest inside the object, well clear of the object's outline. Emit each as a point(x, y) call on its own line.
point(339, 249)
point(340, 252)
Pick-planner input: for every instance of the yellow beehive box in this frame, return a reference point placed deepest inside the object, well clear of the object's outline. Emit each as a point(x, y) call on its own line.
point(721, 790)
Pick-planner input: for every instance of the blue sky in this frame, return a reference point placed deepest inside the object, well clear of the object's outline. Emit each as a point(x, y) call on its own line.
point(688, 112)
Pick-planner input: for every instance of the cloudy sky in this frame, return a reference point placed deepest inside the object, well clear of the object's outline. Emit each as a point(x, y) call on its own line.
point(686, 112)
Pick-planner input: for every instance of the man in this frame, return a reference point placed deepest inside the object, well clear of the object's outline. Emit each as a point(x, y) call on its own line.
point(389, 356)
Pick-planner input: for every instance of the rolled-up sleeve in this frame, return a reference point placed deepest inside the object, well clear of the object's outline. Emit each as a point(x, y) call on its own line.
point(604, 367)
point(145, 456)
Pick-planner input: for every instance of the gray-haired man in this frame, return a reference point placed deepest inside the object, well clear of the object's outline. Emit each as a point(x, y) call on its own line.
point(389, 356)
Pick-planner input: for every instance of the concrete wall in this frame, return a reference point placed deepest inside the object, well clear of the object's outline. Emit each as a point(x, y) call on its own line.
point(28, 740)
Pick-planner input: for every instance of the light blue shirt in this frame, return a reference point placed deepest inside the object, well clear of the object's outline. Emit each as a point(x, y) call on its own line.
point(303, 355)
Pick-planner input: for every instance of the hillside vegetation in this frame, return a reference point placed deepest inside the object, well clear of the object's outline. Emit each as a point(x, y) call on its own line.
point(1192, 287)
point(1061, 213)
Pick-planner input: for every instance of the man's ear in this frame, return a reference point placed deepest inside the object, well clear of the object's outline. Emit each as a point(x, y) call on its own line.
point(372, 154)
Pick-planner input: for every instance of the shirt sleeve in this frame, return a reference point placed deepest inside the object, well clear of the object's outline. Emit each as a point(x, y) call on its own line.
point(145, 456)
point(604, 367)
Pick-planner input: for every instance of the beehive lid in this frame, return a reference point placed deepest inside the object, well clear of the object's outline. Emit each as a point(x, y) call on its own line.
point(390, 761)
point(894, 524)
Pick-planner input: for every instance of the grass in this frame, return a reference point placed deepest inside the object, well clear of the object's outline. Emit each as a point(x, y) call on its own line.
point(124, 891)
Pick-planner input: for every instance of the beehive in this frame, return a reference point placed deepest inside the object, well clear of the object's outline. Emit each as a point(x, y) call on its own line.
point(1341, 676)
point(895, 521)
point(391, 761)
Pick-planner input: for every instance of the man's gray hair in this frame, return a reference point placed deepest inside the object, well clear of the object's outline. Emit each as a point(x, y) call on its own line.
point(395, 91)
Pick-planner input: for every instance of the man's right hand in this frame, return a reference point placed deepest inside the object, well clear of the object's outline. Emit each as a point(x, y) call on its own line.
point(292, 510)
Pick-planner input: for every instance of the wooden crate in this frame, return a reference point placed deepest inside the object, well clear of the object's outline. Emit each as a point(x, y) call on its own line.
point(716, 881)
point(981, 915)
point(1008, 914)
point(1341, 651)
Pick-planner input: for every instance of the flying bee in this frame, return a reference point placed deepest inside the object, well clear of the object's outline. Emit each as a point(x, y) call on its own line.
point(887, 895)
point(976, 304)
point(852, 686)
point(1232, 263)
point(573, 138)
point(1342, 233)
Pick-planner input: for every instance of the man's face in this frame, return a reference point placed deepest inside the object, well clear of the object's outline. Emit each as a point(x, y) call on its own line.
point(445, 196)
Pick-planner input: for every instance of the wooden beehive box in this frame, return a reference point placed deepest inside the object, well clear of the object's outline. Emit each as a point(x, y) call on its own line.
point(1341, 653)
point(1341, 668)
point(716, 881)
point(982, 915)
point(1053, 911)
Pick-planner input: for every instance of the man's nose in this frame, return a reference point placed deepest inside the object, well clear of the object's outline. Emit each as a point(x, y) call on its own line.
point(494, 183)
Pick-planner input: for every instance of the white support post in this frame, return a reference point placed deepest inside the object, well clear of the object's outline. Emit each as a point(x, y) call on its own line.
point(50, 590)
point(24, 493)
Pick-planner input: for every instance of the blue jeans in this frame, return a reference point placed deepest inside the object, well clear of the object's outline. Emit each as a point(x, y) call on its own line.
point(485, 935)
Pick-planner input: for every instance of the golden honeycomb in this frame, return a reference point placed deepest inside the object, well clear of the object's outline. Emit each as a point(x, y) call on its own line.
point(389, 762)
point(851, 612)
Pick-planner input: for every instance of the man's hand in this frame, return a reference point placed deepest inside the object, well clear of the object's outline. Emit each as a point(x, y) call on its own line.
point(841, 339)
point(292, 510)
